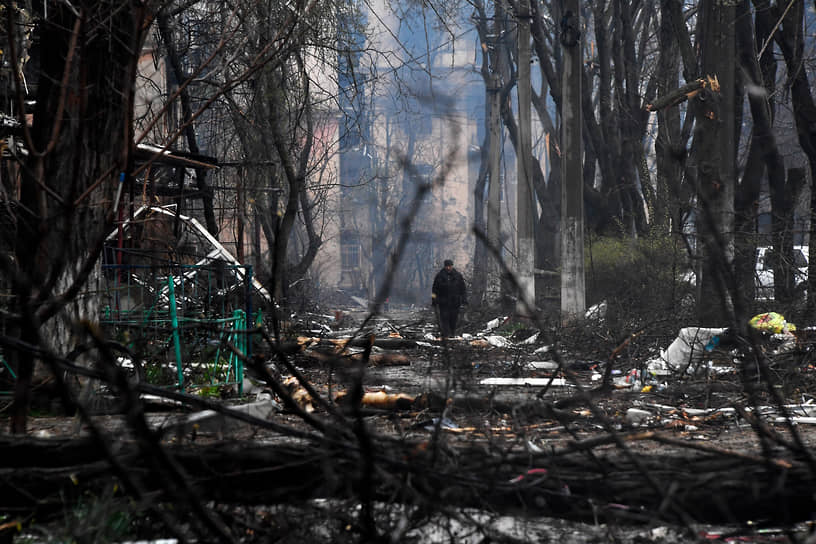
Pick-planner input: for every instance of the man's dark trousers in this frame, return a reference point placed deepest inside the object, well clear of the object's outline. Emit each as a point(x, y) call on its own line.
point(448, 315)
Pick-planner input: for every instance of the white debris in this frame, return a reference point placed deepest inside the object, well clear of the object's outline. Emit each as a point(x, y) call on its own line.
point(530, 340)
point(696, 411)
point(532, 448)
point(124, 362)
point(155, 399)
point(543, 365)
point(322, 328)
point(797, 420)
point(691, 344)
point(540, 382)
point(636, 416)
point(598, 311)
point(787, 342)
point(494, 323)
point(497, 341)
point(251, 386)
point(806, 409)
point(658, 367)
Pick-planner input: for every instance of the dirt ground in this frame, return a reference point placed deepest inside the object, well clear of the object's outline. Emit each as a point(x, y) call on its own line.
point(429, 385)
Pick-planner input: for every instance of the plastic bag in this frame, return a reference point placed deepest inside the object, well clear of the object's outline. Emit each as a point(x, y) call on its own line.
point(771, 322)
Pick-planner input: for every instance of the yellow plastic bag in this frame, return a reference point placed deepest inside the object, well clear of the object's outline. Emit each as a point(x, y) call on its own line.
point(771, 322)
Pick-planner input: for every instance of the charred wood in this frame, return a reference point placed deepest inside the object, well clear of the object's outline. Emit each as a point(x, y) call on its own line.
point(712, 487)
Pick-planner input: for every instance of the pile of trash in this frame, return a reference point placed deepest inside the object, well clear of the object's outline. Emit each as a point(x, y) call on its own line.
point(705, 349)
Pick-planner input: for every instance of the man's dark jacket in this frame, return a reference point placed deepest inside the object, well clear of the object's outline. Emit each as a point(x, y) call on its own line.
point(449, 289)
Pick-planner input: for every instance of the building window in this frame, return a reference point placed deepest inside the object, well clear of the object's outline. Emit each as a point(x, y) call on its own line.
point(424, 179)
point(350, 273)
point(350, 255)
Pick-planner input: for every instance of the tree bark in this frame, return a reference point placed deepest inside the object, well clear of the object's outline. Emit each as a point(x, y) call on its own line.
point(715, 144)
point(790, 40)
point(79, 144)
point(187, 114)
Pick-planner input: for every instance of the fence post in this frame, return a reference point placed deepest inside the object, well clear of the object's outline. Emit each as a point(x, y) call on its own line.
point(247, 331)
point(174, 320)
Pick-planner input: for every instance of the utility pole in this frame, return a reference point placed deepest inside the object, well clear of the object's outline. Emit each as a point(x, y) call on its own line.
point(573, 286)
point(525, 198)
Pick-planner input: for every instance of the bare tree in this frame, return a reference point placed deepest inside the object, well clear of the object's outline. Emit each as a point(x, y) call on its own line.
point(178, 75)
point(78, 154)
point(78, 147)
point(715, 146)
point(790, 40)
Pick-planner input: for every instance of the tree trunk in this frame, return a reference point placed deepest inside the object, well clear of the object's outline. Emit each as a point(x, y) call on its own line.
point(669, 150)
point(791, 41)
point(715, 144)
point(189, 128)
point(80, 143)
point(481, 215)
point(763, 155)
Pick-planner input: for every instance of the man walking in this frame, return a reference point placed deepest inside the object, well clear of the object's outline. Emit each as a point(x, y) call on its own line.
point(447, 295)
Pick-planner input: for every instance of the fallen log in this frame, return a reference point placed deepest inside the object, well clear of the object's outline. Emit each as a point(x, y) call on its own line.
point(374, 359)
point(379, 400)
point(389, 342)
point(706, 487)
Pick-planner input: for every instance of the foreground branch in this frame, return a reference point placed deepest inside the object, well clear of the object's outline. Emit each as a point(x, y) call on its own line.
point(708, 487)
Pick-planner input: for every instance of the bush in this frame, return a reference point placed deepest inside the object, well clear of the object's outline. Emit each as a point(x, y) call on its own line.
point(641, 281)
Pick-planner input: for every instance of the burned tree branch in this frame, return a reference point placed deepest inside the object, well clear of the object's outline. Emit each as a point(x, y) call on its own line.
point(686, 92)
point(707, 486)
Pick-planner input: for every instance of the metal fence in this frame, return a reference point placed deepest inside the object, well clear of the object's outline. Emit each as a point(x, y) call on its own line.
point(186, 324)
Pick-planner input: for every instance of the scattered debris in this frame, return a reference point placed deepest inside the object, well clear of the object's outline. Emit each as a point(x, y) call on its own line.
point(475, 394)
point(637, 416)
point(687, 350)
point(597, 311)
point(496, 323)
point(538, 382)
point(495, 341)
point(543, 365)
point(380, 400)
point(771, 322)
